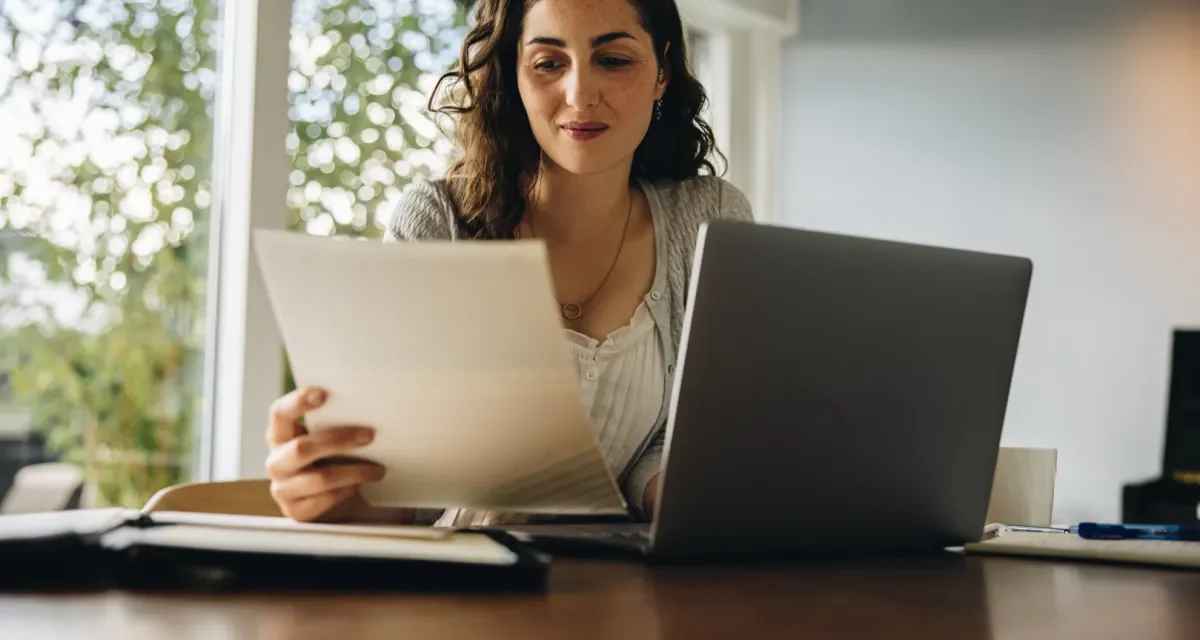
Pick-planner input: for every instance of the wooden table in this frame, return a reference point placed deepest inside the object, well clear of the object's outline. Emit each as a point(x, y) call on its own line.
point(950, 597)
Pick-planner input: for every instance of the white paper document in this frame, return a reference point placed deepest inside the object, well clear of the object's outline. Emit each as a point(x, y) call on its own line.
point(453, 353)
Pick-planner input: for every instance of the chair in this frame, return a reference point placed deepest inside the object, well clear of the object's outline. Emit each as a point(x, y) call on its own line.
point(1023, 487)
point(237, 497)
point(47, 486)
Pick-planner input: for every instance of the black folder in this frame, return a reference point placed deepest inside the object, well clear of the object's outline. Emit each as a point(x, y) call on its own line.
point(127, 549)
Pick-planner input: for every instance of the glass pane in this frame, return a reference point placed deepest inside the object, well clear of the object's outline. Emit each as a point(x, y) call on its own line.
point(699, 52)
point(361, 75)
point(105, 162)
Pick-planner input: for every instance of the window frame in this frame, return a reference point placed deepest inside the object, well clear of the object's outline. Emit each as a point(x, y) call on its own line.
point(244, 367)
point(244, 355)
point(745, 43)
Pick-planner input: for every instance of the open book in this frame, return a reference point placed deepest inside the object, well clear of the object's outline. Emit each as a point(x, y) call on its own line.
point(454, 354)
point(123, 547)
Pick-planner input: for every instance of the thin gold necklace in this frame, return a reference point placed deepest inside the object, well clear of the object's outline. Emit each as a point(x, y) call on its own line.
point(574, 310)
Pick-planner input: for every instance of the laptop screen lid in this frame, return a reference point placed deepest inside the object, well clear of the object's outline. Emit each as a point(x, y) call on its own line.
point(836, 394)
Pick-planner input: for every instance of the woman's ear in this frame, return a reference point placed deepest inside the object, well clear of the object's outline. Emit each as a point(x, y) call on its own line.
point(664, 74)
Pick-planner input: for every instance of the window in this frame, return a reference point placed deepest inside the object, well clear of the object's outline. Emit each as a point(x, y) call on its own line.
point(105, 189)
point(361, 73)
point(700, 59)
point(697, 42)
point(353, 84)
point(115, 323)
point(738, 52)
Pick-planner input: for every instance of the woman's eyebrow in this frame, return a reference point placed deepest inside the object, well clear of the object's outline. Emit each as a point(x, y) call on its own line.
point(602, 40)
point(598, 41)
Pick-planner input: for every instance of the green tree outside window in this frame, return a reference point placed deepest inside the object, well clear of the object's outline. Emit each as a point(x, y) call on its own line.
point(106, 193)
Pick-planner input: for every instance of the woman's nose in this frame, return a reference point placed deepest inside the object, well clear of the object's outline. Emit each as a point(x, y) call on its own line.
point(582, 89)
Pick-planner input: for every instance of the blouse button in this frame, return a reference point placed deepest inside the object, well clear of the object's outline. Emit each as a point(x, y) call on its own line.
point(591, 374)
point(656, 295)
point(670, 369)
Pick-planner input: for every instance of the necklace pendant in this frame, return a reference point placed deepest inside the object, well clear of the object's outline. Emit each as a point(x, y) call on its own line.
point(572, 311)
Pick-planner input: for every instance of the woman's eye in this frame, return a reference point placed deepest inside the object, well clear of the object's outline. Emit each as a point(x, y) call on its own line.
point(546, 65)
point(614, 63)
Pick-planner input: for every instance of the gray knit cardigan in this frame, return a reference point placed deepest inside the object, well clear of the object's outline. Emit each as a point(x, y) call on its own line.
point(427, 212)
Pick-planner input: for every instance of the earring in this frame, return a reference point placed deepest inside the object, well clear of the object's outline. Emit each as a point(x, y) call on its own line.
point(658, 109)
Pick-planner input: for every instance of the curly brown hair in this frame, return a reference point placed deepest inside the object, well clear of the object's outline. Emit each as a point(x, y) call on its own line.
point(492, 130)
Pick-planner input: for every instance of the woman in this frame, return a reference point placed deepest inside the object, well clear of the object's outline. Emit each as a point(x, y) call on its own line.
point(578, 125)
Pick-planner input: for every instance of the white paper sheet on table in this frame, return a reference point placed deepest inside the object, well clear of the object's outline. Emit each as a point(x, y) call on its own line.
point(454, 354)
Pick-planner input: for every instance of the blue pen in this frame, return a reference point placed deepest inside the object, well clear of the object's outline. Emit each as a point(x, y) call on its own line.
point(1097, 531)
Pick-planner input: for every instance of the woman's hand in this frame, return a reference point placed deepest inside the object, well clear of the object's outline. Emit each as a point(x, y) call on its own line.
point(312, 479)
point(650, 497)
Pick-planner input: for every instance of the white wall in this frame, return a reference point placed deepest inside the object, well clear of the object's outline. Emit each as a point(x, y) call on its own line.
point(1074, 141)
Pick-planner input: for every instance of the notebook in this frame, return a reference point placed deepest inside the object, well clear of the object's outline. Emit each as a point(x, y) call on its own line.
point(128, 548)
point(1071, 546)
point(454, 353)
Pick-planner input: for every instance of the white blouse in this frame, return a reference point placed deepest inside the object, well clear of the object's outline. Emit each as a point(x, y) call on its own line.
point(621, 383)
point(622, 386)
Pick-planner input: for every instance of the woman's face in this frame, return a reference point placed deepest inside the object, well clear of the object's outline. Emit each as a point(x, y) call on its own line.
point(588, 78)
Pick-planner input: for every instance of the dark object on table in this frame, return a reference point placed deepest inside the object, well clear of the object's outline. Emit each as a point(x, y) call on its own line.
point(1174, 497)
point(872, 429)
point(126, 549)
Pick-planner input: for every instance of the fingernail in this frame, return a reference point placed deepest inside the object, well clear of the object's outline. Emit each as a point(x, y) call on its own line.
point(364, 436)
point(315, 398)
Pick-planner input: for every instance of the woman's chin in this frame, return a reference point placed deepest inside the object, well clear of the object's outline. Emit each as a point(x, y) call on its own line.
point(586, 163)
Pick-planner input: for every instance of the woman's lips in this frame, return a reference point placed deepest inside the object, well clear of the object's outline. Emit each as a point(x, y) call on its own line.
point(585, 130)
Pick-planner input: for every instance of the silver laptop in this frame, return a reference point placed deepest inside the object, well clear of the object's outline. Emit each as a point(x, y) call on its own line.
point(836, 395)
